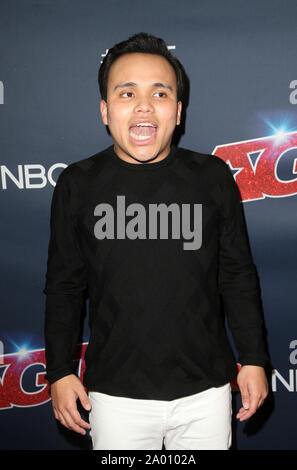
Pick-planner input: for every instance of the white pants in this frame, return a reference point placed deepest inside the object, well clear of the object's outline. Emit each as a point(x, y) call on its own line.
point(195, 422)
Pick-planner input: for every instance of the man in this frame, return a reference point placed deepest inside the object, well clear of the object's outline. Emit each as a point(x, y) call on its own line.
point(155, 235)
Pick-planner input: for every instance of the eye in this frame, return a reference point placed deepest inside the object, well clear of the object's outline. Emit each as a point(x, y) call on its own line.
point(129, 93)
point(161, 93)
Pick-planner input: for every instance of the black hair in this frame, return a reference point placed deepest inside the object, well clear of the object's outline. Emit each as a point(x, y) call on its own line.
point(143, 43)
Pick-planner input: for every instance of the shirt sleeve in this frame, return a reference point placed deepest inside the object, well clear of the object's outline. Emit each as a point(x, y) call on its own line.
point(65, 286)
point(238, 279)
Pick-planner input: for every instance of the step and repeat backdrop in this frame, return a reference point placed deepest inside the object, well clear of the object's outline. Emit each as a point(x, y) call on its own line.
point(240, 58)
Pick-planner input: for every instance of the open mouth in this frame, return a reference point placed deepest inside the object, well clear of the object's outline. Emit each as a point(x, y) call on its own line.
point(143, 132)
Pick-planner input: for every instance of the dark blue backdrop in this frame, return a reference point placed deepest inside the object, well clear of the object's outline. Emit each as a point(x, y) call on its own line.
point(240, 58)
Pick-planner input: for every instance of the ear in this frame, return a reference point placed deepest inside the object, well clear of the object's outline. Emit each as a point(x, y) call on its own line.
point(179, 110)
point(103, 111)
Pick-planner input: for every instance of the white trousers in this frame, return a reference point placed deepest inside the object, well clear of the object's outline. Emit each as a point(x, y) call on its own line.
point(195, 422)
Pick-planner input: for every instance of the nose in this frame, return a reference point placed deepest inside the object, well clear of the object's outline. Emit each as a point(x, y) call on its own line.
point(144, 105)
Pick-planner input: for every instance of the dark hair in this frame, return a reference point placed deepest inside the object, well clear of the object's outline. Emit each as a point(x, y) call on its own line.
point(144, 43)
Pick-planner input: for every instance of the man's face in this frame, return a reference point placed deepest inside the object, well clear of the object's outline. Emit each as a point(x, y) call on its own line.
point(141, 111)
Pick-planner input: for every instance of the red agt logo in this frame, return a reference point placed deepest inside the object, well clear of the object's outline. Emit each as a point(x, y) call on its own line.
point(256, 164)
point(14, 368)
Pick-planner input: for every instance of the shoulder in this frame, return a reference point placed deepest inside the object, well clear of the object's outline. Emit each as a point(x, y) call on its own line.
point(84, 170)
point(214, 172)
point(208, 162)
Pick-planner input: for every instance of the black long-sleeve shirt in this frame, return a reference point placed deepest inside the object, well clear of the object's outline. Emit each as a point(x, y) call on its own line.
point(162, 251)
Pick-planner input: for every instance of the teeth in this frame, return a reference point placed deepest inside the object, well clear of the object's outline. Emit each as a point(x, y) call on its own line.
point(140, 137)
point(145, 124)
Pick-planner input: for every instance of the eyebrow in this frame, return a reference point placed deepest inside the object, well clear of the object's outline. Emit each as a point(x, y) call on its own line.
point(154, 85)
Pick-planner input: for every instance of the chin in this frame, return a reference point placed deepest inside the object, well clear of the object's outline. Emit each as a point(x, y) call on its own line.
point(143, 154)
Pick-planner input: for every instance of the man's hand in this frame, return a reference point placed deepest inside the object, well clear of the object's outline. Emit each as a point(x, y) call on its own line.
point(64, 393)
point(253, 386)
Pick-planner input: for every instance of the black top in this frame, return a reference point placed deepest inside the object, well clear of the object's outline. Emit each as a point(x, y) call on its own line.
point(162, 251)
